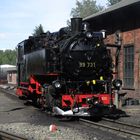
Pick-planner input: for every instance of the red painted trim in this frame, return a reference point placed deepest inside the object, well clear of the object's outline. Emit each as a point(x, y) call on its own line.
point(30, 89)
point(53, 74)
point(36, 83)
point(32, 80)
point(115, 72)
point(103, 98)
point(22, 91)
point(19, 92)
point(24, 83)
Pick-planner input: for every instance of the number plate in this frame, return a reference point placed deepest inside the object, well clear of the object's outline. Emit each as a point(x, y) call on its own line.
point(87, 64)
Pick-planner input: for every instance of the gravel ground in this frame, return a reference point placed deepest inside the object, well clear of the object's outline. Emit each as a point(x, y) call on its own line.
point(39, 132)
point(133, 114)
point(33, 124)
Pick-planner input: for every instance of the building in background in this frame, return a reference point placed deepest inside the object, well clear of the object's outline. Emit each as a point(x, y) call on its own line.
point(12, 76)
point(123, 17)
point(7, 74)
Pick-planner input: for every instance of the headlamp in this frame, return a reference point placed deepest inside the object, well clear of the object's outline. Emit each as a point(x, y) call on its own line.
point(117, 83)
point(57, 84)
point(89, 35)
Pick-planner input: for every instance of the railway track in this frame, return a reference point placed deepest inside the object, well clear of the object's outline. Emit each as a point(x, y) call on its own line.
point(121, 127)
point(10, 136)
point(11, 92)
point(109, 124)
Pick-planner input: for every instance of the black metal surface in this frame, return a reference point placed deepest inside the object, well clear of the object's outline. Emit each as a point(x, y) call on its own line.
point(36, 62)
point(84, 60)
point(76, 56)
point(76, 25)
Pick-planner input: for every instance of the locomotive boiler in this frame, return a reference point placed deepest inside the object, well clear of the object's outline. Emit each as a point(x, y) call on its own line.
point(68, 72)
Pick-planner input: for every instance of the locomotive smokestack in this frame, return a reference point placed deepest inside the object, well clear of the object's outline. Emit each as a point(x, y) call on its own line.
point(76, 25)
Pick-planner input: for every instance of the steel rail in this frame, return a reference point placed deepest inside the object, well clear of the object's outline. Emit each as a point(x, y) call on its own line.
point(110, 127)
point(10, 136)
point(119, 122)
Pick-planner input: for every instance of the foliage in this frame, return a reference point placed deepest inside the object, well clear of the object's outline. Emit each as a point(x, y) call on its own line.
point(8, 57)
point(85, 8)
point(112, 2)
point(38, 30)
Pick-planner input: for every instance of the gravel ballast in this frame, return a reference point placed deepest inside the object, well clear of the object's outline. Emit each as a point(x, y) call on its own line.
point(33, 124)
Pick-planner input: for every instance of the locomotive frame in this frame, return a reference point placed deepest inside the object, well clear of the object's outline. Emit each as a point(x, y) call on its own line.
point(68, 72)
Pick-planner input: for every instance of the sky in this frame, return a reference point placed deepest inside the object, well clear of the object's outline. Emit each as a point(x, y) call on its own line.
point(18, 18)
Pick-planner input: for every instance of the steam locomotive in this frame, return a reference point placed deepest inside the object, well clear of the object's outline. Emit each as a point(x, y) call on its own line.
point(68, 72)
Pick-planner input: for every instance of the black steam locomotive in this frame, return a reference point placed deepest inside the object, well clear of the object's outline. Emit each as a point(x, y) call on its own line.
point(68, 72)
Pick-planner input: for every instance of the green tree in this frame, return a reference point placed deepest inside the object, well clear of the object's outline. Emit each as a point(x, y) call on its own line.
point(8, 57)
point(112, 2)
point(38, 30)
point(85, 8)
point(1, 56)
